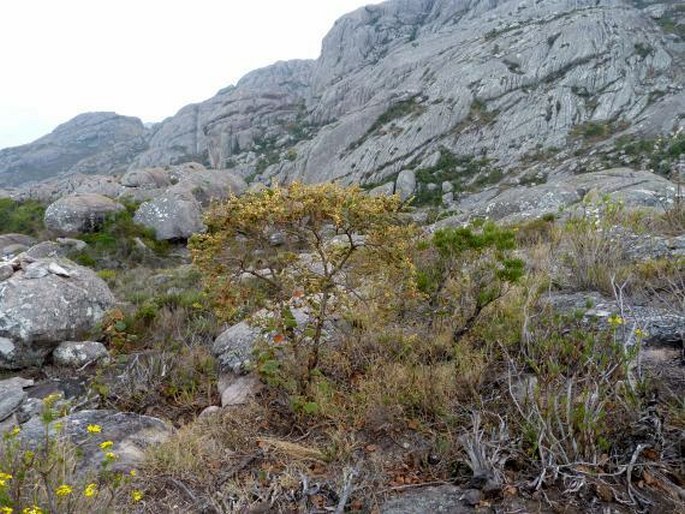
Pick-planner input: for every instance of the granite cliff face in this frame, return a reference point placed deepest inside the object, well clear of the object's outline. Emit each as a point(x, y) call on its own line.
point(399, 82)
point(101, 142)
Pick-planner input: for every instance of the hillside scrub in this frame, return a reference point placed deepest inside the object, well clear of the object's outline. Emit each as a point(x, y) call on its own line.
point(424, 358)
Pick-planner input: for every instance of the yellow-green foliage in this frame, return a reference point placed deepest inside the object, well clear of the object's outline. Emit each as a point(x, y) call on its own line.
point(241, 232)
point(251, 257)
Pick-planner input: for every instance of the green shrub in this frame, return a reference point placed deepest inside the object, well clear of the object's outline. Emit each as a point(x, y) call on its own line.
point(117, 243)
point(22, 217)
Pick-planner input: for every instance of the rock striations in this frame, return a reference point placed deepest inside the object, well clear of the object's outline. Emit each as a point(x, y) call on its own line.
point(397, 82)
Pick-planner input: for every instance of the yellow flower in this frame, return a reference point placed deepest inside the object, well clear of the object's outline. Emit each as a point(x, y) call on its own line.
point(136, 495)
point(63, 490)
point(4, 477)
point(615, 320)
point(111, 456)
point(6, 510)
point(640, 334)
point(35, 509)
point(50, 400)
point(90, 490)
point(105, 445)
point(15, 431)
point(94, 429)
point(133, 472)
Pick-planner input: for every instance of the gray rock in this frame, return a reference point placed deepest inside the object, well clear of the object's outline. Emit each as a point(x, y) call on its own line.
point(80, 213)
point(12, 250)
point(12, 395)
point(212, 410)
point(448, 199)
point(14, 239)
point(662, 326)
point(177, 214)
point(442, 499)
point(634, 188)
point(40, 309)
point(76, 354)
point(237, 390)
point(131, 434)
point(387, 189)
point(89, 143)
point(234, 347)
point(447, 187)
point(405, 185)
point(6, 271)
point(147, 178)
point(61, 247)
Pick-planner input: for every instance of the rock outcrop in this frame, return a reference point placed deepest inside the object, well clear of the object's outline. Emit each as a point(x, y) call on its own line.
point(45, 302)
point(399, 82)
point(636, 189)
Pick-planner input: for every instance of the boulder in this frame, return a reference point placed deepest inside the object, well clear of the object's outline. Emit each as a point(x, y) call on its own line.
point(387, 189)
point(405, 186)
point(12, 250)
point(146, 178)
point(177, 214)
point(44, 303)
point(130, 433)
point(80, 213)
point(76, 354)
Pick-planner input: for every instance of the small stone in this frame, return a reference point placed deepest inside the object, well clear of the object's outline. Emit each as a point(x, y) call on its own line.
point(77, 354)
point(237, 390)
point(58, 270)
point(447, 187)
point(35, 271)
point(210, 411)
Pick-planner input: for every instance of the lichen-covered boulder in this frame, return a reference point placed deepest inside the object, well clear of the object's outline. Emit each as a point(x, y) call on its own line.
point(45, 302)
point(80, 213)
point(177, 214)
point(130, 434)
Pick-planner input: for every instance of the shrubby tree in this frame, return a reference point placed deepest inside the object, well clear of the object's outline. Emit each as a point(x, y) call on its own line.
point(325, 248)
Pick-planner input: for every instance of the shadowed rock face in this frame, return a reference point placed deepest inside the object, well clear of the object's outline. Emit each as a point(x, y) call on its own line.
point(93, 142)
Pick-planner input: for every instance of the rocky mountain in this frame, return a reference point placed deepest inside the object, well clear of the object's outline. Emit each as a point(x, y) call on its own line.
point(400, 83)
point(101, 142)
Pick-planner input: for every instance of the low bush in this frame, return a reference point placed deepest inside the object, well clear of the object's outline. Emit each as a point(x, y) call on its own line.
point(22, 217)
point(120, 242)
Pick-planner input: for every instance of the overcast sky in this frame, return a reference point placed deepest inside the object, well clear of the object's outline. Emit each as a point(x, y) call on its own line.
point(145, 58)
